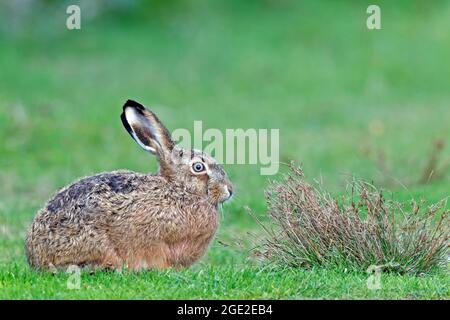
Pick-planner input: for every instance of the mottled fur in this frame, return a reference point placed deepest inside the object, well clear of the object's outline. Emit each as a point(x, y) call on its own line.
point(139, 220)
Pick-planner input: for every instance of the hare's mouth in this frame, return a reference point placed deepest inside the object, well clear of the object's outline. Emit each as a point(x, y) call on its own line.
point(220, 193)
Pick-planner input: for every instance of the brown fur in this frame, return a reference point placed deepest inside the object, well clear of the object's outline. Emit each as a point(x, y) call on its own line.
point(123, 218)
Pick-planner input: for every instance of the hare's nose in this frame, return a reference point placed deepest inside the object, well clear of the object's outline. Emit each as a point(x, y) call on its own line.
point(230, 190)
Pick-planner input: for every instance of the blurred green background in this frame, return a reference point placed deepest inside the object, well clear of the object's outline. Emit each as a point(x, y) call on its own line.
point(347, 100)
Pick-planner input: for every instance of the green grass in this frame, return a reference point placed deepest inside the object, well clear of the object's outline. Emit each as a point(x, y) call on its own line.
point(212, 282)
point(311, 69)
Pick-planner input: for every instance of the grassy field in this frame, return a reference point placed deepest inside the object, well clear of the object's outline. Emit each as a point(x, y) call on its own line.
point(338, 93)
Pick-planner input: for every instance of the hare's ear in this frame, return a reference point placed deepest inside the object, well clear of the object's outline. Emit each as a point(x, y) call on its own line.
point(146, 129)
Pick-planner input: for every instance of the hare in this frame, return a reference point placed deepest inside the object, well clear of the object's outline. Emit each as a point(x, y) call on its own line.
point(141, 221)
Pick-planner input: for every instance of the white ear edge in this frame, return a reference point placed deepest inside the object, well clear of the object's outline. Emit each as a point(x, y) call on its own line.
point(134, 118)
point(143, 146)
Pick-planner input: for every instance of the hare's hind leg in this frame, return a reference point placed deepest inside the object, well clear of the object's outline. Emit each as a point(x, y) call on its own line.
point(152, 257)
point(110, 260)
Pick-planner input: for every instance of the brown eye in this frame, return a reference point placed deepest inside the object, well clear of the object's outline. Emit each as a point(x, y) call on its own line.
point(198, 167)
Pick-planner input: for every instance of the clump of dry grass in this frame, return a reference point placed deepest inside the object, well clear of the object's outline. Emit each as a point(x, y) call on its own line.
point(362, 229)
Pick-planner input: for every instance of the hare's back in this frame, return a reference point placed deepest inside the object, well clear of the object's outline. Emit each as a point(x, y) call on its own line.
point(88, 194)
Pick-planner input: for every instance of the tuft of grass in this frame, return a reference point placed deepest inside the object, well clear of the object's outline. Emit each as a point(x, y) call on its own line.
point(361, 230)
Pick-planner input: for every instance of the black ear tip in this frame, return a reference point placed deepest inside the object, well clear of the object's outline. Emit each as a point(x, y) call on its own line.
point(134, 104)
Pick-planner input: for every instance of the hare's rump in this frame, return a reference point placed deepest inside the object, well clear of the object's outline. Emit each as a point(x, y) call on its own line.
point(74, 225)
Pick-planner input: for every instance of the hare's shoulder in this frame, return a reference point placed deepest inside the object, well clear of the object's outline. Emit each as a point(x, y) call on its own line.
point(86, 190)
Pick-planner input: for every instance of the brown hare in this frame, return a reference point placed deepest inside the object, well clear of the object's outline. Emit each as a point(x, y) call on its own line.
point(123, 218)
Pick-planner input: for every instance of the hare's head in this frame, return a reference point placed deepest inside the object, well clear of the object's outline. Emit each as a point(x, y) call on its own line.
point(195, 170)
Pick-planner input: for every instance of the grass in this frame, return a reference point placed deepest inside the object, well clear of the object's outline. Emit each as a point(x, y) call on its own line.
point(311, 69)
point(212, 282)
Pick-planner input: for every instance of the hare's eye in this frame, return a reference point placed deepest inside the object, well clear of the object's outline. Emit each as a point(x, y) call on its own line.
point(198, 167)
